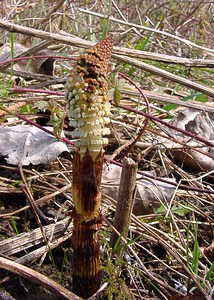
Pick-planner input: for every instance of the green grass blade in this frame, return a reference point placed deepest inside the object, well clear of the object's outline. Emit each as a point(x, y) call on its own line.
point(14, 225)
point(187, 246)
point(104, 28)
point(105, 24)
point(117, 245)
point(63, 266)
point(195, 251)
point(12, 42)
point(210, 273)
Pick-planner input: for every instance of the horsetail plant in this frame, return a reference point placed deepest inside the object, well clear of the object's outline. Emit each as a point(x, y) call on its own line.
point(87, 109)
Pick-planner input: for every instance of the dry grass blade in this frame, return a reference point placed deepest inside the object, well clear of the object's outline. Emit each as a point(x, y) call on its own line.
point(170, 99)
point(24, 241)
point(166, 49)
point(165, 74)
point(34, 276)
point(189, 43)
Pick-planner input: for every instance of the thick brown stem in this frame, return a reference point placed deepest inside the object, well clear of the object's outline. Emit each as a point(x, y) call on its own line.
point(87, 221)
point(86, 257)
point(86, 193)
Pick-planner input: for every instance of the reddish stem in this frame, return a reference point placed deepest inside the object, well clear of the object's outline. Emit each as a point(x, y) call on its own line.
point(188, 133)
point(29, 90)
point(67, 141)
point(63, 139)
point(181, 186)
point(34, 57)
point(142, 130)
point(147, 115)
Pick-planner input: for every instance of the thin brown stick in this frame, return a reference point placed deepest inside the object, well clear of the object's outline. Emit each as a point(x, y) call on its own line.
point(36, 211)
point(34, 276)
point(170, 99)
point(165, 74)
point(153, 118)
point(82, 43)
point(125, 199)
point(118, 50)
point(44, 34)
point(174, 37)
point(143, 129)
point(28, 52)
point(40, 201)
point(50, 13)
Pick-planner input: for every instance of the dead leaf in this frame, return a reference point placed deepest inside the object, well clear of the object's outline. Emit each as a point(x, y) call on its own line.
point(196, 296)
point(209, 252)
point(27, 144)
point(200, 123)
point(39, 66)
point(150, 195)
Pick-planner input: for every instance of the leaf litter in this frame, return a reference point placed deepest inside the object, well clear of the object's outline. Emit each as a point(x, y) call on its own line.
point(26, 144)
point(157, 259)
